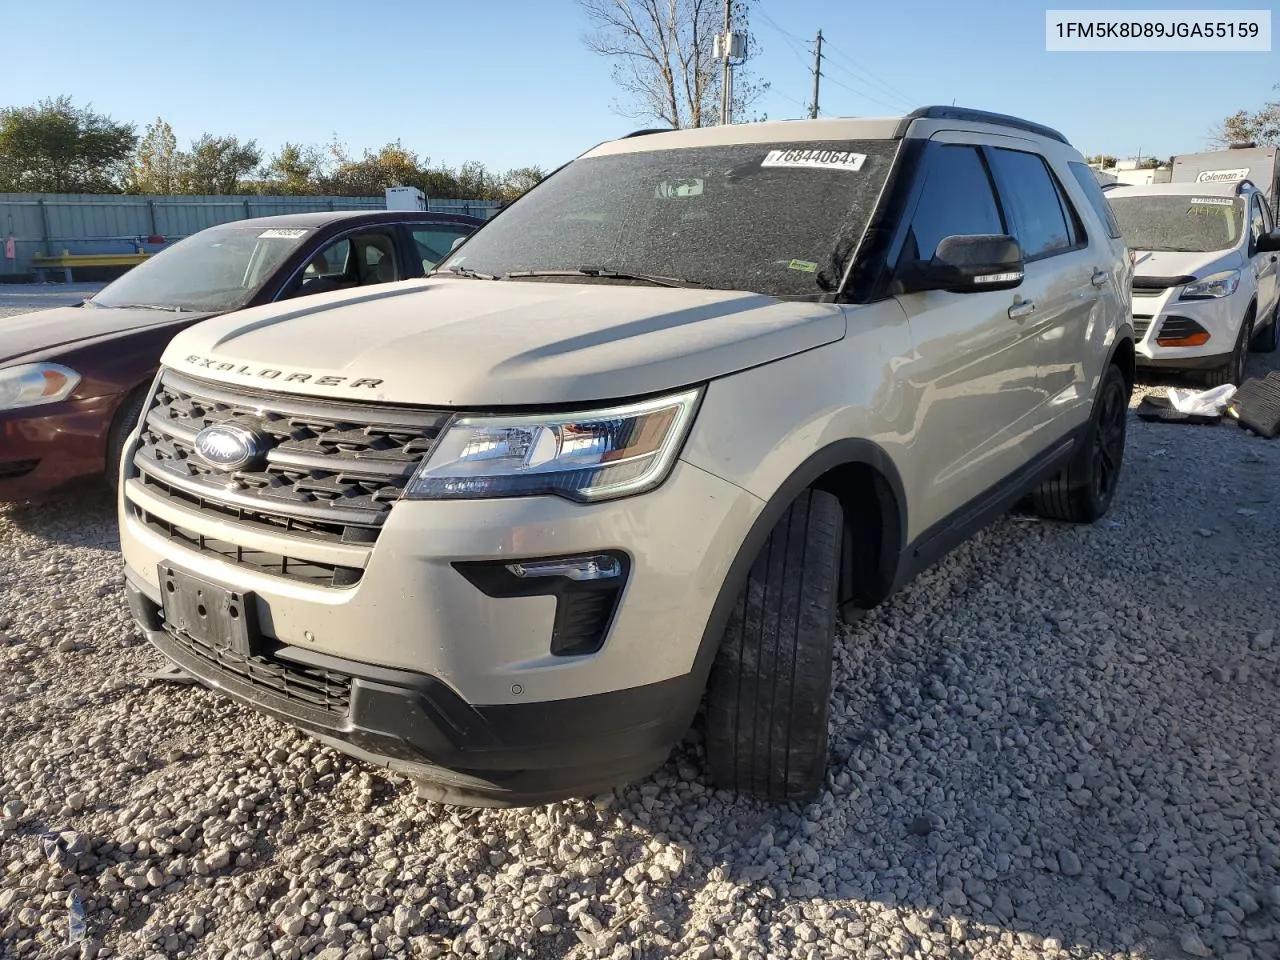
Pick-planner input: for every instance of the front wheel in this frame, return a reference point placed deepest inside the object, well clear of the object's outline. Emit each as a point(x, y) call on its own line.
point(1233, 370)
point(126, 419)
point(1083, 491)
point(770, 686)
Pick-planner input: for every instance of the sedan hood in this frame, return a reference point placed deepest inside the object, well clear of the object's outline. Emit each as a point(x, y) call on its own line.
point(44, 333)
point(457, 342)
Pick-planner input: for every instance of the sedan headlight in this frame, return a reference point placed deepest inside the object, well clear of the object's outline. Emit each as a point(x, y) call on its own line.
point(1212, 287)
point(31, 384)
point(587, 456)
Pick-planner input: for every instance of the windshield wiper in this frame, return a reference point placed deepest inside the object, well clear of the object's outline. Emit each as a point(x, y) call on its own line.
point(608, 274)
point(466, 272)
point(151, 306)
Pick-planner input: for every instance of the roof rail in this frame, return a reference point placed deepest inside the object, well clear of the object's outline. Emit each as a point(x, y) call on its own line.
point(981, 116)
point(645, 132)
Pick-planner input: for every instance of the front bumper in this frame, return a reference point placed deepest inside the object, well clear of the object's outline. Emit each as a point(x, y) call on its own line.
point(504, 755)
point(1220, 318)
point(458, 685)
point(46, 451)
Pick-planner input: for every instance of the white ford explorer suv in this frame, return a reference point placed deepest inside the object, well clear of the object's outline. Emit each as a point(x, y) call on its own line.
point(632, 448)
point(1204, 286)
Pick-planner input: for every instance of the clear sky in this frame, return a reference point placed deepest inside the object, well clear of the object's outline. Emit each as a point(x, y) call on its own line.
point(509, 83)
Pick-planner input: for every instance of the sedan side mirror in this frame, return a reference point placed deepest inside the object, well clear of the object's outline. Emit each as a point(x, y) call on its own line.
point(967, 264)
point(1269, 242)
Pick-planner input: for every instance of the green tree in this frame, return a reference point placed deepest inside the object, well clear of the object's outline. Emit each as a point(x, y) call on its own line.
point(294, 170)
point(217, 165)
point(57, 147)
point(1261, 126)
point(517, 182)
point(391, 166)
point(1103, 159)
point(156, 166)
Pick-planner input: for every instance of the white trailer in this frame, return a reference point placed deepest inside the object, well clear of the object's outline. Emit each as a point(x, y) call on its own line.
point(1247, 161)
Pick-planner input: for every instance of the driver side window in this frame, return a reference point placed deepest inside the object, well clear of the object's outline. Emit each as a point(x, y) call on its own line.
point(1257, 222)
point(957, 200)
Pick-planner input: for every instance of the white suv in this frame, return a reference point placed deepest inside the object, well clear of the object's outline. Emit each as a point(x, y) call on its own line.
point(1204, 286)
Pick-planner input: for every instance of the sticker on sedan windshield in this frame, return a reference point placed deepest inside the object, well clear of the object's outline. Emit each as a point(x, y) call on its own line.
point(815, 159)
point(1214, 201)
point(281, 233)
point(804, 266)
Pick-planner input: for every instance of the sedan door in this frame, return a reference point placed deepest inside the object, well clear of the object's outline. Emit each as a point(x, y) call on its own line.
point(430, 241)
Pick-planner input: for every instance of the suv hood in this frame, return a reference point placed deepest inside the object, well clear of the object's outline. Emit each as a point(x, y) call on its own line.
point(453, 342)
point(1176, 264)
point(44, 334)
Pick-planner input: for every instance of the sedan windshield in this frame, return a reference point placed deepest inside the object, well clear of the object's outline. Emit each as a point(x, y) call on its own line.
point(1179, 223)
point(776, 219)
point(215, 270)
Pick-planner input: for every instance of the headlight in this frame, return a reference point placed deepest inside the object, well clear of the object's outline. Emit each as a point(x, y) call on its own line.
point(1211, 288)
point(31, 384)
point(594, 455)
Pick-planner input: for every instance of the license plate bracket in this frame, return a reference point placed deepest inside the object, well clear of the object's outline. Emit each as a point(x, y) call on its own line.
point(208, 612)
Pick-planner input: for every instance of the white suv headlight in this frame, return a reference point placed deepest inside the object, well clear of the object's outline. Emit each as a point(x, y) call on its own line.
point(1212, 287)
point(586, 456)
point(31, 384)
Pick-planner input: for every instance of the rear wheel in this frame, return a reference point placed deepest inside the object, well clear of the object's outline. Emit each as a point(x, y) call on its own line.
point(770, 686)
point(126, 419)
point(1083, 491)
point(1233, 370)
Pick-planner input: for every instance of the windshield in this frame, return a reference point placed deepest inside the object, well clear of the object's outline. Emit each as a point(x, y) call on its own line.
point(216, 270)
point(1179, 223)
point(780, 220)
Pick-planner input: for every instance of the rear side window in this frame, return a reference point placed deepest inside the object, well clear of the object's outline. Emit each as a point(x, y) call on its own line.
point(1041, 223)
point(1097, 199)
point(957, 200)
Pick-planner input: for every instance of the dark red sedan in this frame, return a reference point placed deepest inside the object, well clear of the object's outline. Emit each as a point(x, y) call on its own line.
point(72, 380)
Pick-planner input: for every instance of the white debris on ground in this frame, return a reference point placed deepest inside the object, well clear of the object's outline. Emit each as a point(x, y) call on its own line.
point(1060, 742)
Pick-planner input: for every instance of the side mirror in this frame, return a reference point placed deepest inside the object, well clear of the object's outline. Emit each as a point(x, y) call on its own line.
point(1269, 242)
point(967, 264)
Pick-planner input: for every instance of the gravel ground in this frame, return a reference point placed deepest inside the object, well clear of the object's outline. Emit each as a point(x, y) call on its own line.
point(1057, 743)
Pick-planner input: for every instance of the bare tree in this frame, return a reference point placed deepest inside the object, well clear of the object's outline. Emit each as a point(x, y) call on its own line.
point(663, 59)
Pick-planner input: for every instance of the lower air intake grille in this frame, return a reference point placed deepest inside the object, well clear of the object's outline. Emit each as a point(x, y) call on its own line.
point(321, 689)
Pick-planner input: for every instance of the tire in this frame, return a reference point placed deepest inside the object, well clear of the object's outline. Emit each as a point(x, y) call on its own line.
point(125, 420)
point(1233, 370)
point(770, 685)
point(1268, 338)
point(1083, 491)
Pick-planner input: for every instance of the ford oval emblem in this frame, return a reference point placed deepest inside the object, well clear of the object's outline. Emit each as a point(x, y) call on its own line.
point(228, 447)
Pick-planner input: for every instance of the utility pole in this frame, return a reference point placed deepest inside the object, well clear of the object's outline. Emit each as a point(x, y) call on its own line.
point(817, 75)
point(726, 75)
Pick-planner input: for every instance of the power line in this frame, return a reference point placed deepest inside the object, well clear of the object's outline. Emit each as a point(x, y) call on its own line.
point(862, 93)
point(866, 76)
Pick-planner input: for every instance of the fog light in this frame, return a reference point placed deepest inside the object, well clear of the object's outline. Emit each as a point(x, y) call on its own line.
point(577, 568)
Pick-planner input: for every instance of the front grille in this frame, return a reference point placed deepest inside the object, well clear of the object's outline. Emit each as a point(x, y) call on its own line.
point(1140, 326)
point(276, 564)
point(331, 472)
point(322, 689)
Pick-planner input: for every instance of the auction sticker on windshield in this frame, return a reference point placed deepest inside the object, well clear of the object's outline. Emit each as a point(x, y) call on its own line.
point(815, 159)
point(282, 233)
point(1214, 201)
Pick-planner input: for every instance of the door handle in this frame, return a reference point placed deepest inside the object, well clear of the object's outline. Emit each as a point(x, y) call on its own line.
point(1099, 278)
point(1022, 309)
